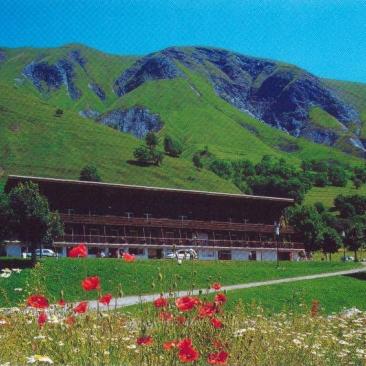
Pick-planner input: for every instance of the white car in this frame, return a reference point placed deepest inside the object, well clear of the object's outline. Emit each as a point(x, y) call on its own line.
point(182, 254)
point(43, 253)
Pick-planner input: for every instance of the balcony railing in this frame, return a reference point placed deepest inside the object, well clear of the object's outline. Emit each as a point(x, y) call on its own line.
point(170, 223)
point(155, 241)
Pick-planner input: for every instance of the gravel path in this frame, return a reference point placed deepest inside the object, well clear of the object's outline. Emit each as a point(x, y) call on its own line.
point(133, 300)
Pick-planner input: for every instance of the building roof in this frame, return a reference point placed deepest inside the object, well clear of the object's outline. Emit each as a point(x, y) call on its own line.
point(15, 178)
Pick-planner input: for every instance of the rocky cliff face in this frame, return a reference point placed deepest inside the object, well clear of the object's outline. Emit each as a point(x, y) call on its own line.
point(278, 94)
point(136, 121)
point(47, 77)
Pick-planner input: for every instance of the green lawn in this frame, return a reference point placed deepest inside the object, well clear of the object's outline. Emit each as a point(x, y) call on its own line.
point(334, 294)
point(143, 276)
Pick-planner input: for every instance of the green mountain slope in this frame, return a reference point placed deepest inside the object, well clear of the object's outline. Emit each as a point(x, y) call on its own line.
point(34, 141)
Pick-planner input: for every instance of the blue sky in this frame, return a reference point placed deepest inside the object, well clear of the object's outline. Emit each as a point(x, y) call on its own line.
point(327, 37)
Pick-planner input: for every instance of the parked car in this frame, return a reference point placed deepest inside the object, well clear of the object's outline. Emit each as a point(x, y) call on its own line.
point(347, 258)
point(182, 254)
point(43, 253)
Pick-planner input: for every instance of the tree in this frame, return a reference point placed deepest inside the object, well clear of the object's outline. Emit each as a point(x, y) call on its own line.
point(151, 140)
point(148, 156)
point(30, 217)
point(355, 235)
point(329, 241)
point(357, 182)
point(5, 227)
point(59, 112)
point(90, 173)
point(197, 161)
point(308, 222)
point(172, 147)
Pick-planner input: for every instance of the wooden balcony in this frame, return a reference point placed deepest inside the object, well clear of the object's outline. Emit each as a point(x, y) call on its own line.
point(109, 220)
point(135, 241)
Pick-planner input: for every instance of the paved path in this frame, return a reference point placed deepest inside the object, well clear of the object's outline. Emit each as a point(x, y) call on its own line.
point(133, 300)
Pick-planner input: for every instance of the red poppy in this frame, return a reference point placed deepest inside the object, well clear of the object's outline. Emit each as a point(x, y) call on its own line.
point(42, 319)
point(160, 302)
point(186, 352)
point(144, 341)
point(220, 299)
point(207, 310)
point(91, 283)
point(165, 315)
point(70, 320)
point(218, 358)
point(184, 343)
point(127, 257)
point(217, 323)
point(37, 301)
point(186, 303)
point(169, 345)
point(79, 251)
point(216, 286)
point(81, 308)
point(61, 302)
point(105, 299)
point(181, 319)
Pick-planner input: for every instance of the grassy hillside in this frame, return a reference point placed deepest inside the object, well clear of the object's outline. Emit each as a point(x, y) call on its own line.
point(34, 141)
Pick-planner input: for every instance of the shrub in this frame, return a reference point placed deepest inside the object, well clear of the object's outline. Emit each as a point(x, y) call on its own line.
point(90, 173)
point(151, 140)
point(196, 159)
point(172, 147)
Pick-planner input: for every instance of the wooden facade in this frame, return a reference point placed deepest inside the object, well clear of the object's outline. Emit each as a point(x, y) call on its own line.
point(153, 220)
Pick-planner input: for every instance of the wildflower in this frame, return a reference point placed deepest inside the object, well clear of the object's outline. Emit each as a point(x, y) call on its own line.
point(70, 320)
point(220, 299)
point(42, 319)
point(186, 351)
point(160, 302)
point(105, 299)
point(207, 310)
point(165, 315)
point(186, 303)
point(217, 323)
point(181, 319)
point(216, 286)
point(18, 289)
point(5, 275)
point(79, 251)
point(16, 270)
point(39, 358)
point(169, 345)
point(91, 283)
point(81, 308)
point(314, 308)
point(127, 257)
point(37, 301)
point(61, 302)
point(131, 346)
point(218, 358)
point(179, 261)
point(144, 341)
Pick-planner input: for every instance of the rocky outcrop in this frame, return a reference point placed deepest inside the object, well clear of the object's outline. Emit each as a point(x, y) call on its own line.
point(153, 67)
point(2, 56)
point(89, 113)
point(46, 77)
point(277, 94)
point(98, 90)
point(137, 121)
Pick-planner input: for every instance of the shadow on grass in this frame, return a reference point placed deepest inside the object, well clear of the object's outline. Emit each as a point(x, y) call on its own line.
point(358, 276)
point(139, 163)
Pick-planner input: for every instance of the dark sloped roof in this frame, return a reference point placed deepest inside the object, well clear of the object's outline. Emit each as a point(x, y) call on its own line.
point(14, 179)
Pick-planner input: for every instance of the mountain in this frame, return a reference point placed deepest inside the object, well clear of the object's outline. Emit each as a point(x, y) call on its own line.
point(240, 107)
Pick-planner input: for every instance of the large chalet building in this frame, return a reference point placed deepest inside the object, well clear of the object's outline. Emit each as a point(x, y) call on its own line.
point(150, 222)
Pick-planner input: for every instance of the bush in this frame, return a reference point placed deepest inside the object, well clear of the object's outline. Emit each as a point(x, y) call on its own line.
point(172, 147)
point(148, 156)
point(151, 140)
point(90, 173)
point(59, 112)
point(196, 159)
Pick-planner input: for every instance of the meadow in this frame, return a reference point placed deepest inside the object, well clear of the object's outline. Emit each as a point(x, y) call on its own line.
point(212, 329)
